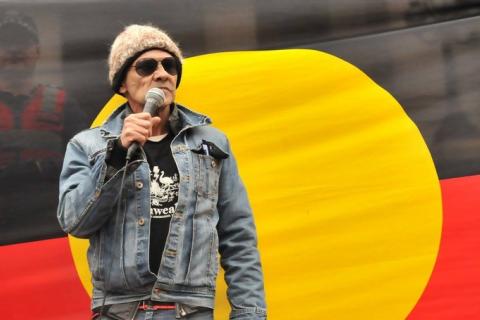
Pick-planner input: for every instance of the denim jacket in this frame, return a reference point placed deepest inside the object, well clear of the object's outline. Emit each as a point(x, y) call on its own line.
point(212, 215)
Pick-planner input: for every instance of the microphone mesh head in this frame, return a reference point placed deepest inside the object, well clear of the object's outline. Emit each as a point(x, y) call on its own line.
point(155, 94)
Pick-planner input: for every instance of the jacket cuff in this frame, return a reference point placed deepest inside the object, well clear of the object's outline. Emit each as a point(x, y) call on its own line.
point(248, 314)
point(114, 158)
point(116, 154)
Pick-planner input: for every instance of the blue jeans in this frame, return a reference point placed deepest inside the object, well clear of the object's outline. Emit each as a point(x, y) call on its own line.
point(203, 314)
point(128, 310)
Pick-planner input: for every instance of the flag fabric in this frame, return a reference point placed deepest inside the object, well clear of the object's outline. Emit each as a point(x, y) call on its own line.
point(359, 147)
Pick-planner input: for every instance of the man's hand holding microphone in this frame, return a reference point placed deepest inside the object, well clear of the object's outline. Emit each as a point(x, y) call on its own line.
point(138, 127)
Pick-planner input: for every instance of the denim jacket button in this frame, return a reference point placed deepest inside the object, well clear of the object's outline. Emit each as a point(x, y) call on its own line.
point(141, 221)
point(214, 164)
point(139, 185)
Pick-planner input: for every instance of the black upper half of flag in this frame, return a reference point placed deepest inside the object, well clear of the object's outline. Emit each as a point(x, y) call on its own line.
point(53, 55)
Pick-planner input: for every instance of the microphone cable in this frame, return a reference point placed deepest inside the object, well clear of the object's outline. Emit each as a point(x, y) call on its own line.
point(154, 99)
point(106, 274)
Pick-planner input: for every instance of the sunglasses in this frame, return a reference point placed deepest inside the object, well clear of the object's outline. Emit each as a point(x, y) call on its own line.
point(146, 67)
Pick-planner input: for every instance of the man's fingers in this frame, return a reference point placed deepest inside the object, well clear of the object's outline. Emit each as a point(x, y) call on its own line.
point(156, 121)
point(141, 115)
point(135, 131)
point(145, 123)
point(135, 136)
point(137, 128)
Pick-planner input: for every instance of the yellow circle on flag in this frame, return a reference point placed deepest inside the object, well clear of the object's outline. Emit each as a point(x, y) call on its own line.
point(345, 194)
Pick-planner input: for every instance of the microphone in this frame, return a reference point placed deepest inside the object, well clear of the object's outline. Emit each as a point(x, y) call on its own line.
point(153, 101)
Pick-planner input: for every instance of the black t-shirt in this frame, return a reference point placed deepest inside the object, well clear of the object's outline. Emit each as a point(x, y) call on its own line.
point(163, 195)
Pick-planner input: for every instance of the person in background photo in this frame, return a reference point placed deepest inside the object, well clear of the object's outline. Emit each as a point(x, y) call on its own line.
point(157, 221)
point(36, 122)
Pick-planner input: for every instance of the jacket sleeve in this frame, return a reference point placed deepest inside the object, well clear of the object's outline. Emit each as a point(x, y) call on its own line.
point(87, 197)
point(238, 246)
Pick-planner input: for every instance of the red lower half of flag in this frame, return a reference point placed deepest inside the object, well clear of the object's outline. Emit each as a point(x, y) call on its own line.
point(38, 280)
point(454, 288)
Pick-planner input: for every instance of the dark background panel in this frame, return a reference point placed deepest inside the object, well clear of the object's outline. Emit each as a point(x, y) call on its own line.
point(433, 71)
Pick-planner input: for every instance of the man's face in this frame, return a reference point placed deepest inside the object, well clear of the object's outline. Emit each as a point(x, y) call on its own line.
point(18, 63)
point(136, 85)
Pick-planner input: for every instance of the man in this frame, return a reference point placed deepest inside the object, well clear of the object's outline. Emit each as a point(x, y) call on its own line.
point(154, 242)
point(36, 121)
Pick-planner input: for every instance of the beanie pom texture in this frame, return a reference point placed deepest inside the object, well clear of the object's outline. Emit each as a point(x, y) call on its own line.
point(133, 40)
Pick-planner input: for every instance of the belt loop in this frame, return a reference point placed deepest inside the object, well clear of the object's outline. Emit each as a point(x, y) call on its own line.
point(136, 311)
point(179, 311)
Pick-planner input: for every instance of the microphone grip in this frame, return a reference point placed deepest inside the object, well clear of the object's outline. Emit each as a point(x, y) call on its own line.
point(131, 150)
point(153, 102)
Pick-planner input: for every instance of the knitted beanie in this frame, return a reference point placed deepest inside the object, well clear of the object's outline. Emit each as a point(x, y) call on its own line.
point(131, 43)
point(17, 29)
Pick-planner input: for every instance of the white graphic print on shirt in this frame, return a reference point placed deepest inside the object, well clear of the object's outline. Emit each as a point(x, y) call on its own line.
point(163, 194)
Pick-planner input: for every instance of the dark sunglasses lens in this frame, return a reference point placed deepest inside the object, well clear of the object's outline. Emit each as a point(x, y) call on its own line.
point(146, 67)
point(170, 66)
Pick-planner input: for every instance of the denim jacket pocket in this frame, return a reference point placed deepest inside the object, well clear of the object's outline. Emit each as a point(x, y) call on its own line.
point(203, 264)
point(95, 258)
point(207, 172)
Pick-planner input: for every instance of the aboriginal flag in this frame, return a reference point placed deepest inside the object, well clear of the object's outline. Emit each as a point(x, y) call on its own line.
point(355, 126)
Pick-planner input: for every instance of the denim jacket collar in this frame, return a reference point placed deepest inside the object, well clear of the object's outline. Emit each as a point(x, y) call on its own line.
point(180, 118)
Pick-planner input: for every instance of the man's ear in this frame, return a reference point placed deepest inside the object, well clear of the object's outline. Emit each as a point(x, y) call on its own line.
point(122, 89)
